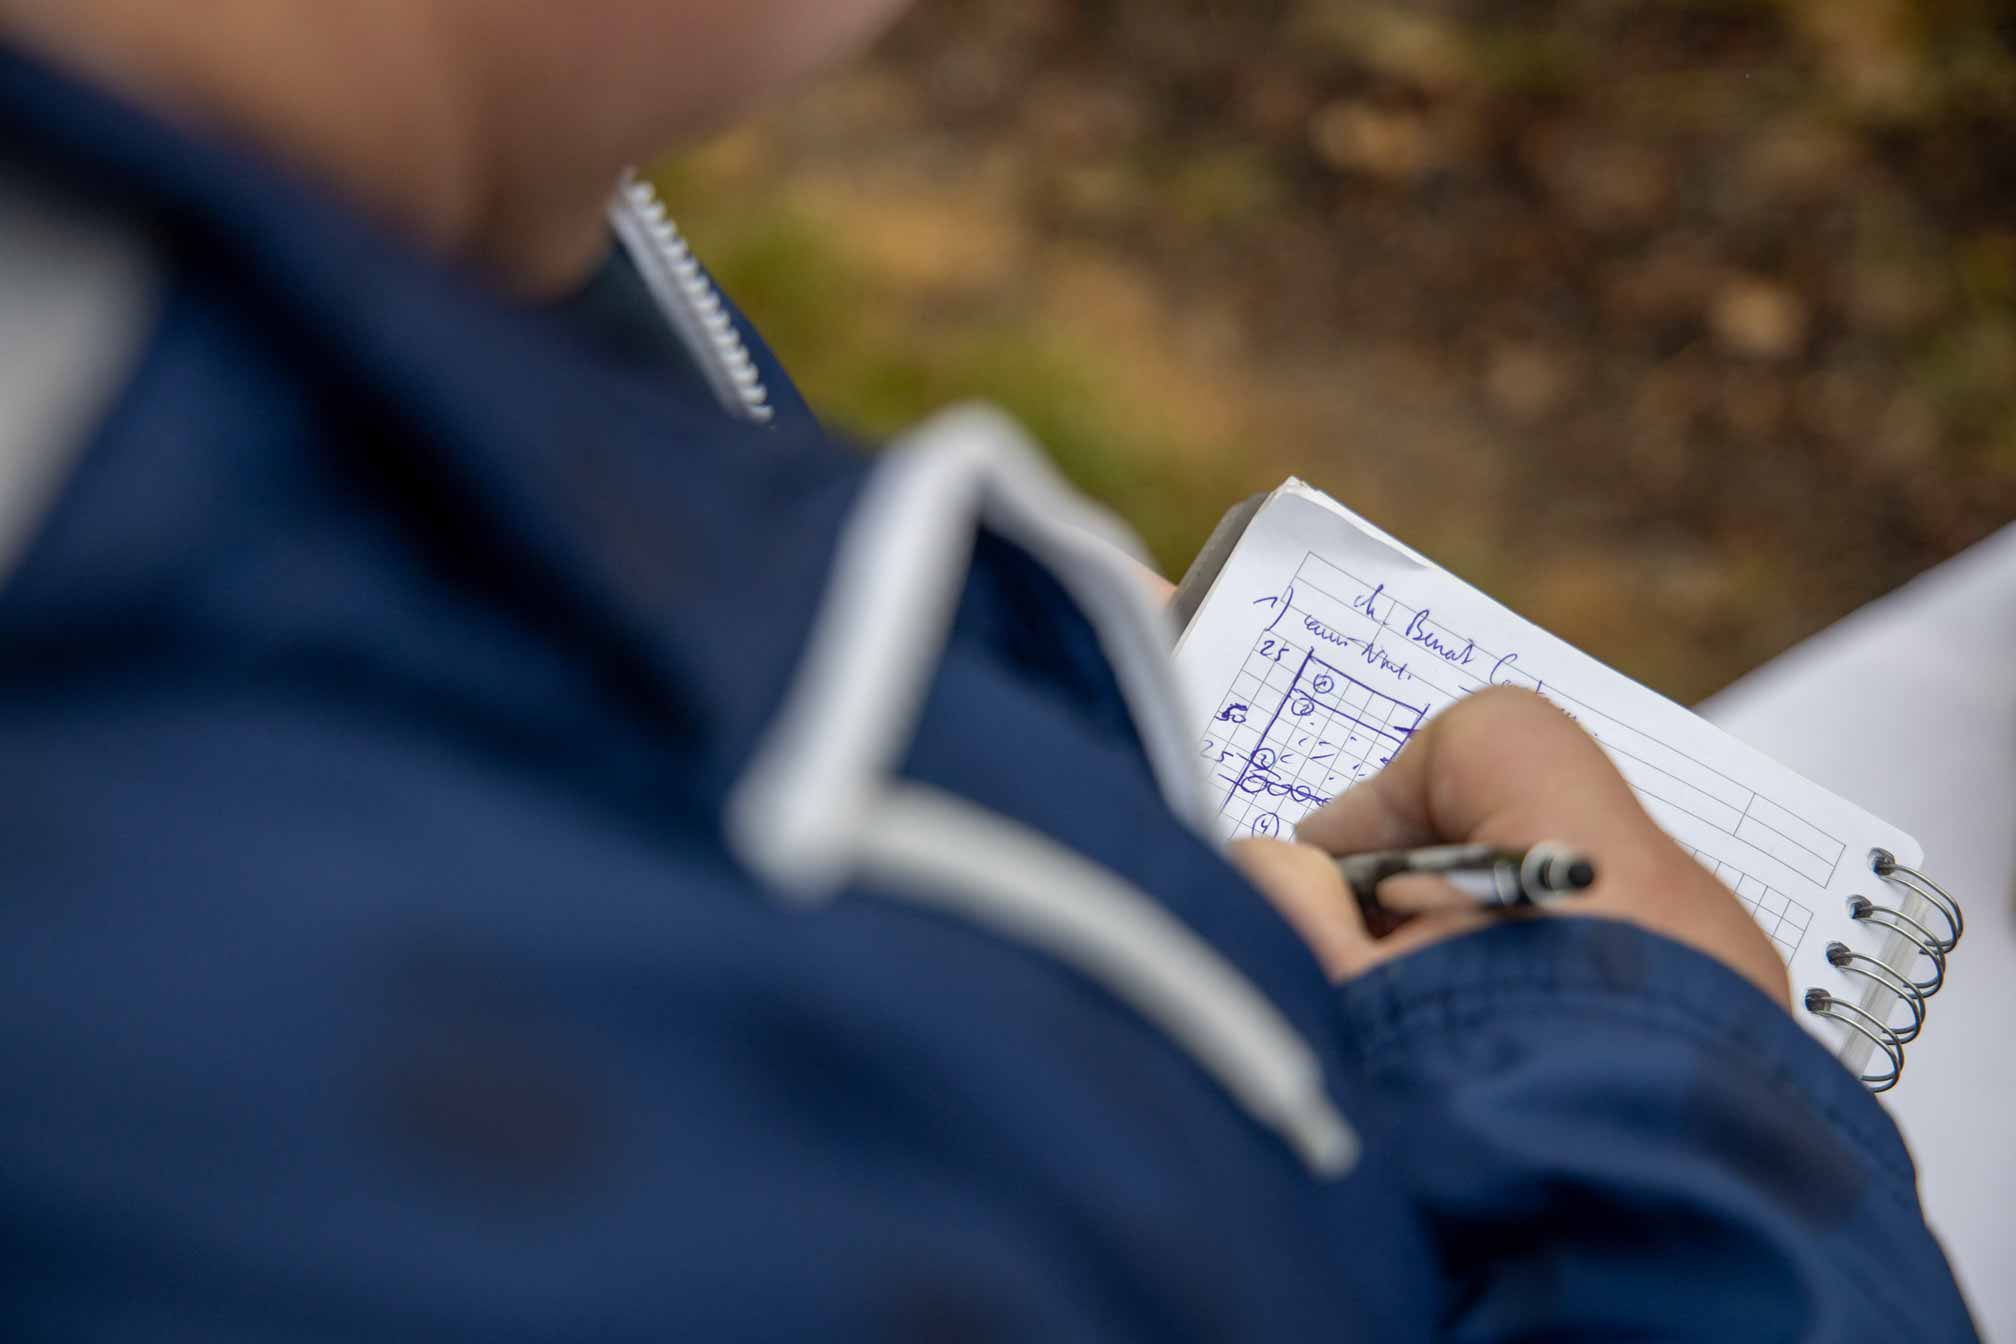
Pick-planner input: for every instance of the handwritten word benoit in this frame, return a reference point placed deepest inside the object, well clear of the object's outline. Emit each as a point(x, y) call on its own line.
point(1418, 631)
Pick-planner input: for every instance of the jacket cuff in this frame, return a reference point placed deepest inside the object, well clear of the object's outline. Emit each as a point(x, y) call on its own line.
point(1598, 981)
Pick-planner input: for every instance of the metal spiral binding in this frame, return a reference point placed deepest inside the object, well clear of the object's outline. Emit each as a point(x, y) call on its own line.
point(1851, 962)
point(1888, 1038)
point(1883, 916)
point(1885, 866)
point(1822, 1004)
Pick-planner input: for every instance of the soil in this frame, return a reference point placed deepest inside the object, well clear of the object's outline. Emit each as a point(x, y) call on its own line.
point(1684, 328)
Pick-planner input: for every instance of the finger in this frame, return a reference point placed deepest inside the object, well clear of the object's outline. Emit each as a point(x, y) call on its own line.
point(1500, 767)
point(1421, 894)
point(1160, 590)
point(1421, 930)
point(1305, 886)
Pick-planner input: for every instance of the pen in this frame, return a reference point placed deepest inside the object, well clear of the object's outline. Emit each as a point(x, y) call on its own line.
point(1487, 878)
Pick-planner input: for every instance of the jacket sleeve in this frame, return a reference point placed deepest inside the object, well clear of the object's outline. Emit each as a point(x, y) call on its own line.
point(1614, 1137)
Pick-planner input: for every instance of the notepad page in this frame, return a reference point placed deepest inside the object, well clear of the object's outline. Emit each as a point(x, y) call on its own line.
point(1324, 644)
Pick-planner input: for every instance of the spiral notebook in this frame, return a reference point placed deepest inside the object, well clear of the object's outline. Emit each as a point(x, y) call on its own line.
point(1321, 644)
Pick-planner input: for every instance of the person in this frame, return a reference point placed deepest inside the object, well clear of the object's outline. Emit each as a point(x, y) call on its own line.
point(514, 832)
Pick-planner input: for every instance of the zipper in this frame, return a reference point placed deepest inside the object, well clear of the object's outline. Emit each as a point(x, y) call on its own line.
point(689, 300)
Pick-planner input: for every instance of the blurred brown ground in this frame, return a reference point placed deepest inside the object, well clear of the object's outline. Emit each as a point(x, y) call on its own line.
point(1683, 328)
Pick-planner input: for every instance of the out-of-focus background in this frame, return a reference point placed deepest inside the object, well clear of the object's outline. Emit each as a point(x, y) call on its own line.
point(1683, 327)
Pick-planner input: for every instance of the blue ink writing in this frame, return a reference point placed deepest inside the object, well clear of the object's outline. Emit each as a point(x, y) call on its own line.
point(1375, 656)
point(1287, 601)
point(1322, 631)
point(1257, 782)
point(1418, 631)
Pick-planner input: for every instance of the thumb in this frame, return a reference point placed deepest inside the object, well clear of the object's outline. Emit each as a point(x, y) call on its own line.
point(1305, 886)
point(1501, 767)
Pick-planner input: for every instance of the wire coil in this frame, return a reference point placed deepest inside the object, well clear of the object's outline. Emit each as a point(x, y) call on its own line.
point(1850, 962)
point(1914, 933)
point(1884, 983)
point(1822, 1004)
point(1885, 866)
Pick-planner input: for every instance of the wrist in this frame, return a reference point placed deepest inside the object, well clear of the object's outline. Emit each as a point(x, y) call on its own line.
point(1597, 994)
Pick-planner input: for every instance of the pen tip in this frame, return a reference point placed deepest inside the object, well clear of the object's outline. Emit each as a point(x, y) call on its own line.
point(1581, 874)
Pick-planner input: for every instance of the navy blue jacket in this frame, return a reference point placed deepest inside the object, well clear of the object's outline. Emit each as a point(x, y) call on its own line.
point(498, 843)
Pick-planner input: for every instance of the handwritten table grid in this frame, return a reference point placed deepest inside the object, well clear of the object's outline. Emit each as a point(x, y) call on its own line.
point(1261, 801)
point(1708, 796)
point(1295, 728)
point(1324, 730)
point(1783, 918)
point(1287, 608)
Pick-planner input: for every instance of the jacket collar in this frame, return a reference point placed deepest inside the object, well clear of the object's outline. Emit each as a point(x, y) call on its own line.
point(661, 520)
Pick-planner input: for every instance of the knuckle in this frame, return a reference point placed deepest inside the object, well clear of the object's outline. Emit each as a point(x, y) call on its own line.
point(1502, 707)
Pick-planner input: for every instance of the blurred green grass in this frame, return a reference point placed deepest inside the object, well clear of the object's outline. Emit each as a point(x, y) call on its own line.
point(1722, 292)
point(871, 372)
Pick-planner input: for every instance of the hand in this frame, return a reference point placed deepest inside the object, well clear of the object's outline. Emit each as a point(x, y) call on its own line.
point(1504, 768)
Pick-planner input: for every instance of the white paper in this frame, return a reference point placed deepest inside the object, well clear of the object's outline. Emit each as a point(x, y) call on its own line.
point(1324, 644)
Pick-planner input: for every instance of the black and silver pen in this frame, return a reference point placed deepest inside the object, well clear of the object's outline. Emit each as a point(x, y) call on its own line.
point(1486, 877)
